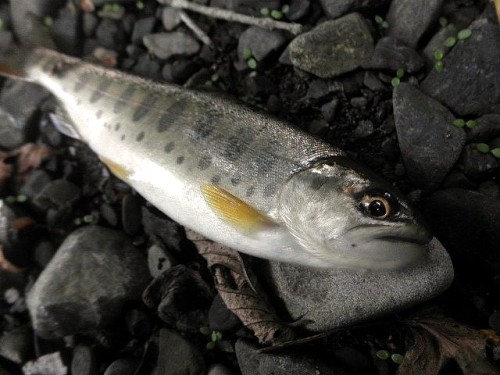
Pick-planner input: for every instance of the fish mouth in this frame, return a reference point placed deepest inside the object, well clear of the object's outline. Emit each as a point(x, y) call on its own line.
point(396, 239)
point(413, 234)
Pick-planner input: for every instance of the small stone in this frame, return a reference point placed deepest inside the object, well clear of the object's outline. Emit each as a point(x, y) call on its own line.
point(66, 30)
point(336, 298)
point(147, 67)
point(83, 361)
point(359, 102)
point(11, 136)
point(337, 8)
point(109, 214)
point(178, 356)
point(430, 144)
point(171, 18)
point(35, 182)
point(298, 9)
point(92, 264)
point(43, 253)
point(364, 129)
point(329, 110)
point(476, 164)
point(404, 25)
point(489, 188)
point(333, 47)
point(111, 35)
point(487, 127)
point(138, 323)
point(392, 54)
point(470, 82)
point(179, 71)
point(159, 260)
point(220, 317)
point(89, 24)
point(175, 43)
point(15, 344)
point(260, 42)
point(131, 214)
point(142, 27)
point(457, 179)
point(317, 126)
point(123, 366)
point(219, 369)
point(58, 194)
point(317, 89)
point(48, 364)
point(372, 82)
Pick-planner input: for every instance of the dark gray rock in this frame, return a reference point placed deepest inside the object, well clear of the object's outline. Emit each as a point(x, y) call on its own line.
point(252, 362)
point(161, 229)
point(175, 43)
point(372, 82)
point(43, 253)
point(11, 134)
point(109, 214)
point(333, 47)
point(409, 20)
point(159, 260)
point(6, 40)
point(83, 361)
point(355, 361)
point(430, 144)
point(36, 181)
point(487, 127)
point(94, 272)
point(66, 30)
point(364, 129)
point(110, 34)
point(178, 356)
point(298, 9)
point(142, 27)
point(359, 102)
point(489, 188)
point(179, 71)
point(336, 298)
point(470, 82)
point(392, 54)
point(219, 369)
point(58, 194)
point(46, 364)
point(437, 43)
point(131, 214)
point(171, 18)
point(468, 223)
point(260, 42)
point(329, 110)
point(123, 366)
point(89, 24)
point(220, 318)
point(477, 165)
point(15, 344)
point(457, 179)
point(337, 8)
point(147, 67)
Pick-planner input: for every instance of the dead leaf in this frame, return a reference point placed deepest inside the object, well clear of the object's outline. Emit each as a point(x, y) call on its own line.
point(242, 294)
point(6, 265)
point(434, 343)
point(30, 155)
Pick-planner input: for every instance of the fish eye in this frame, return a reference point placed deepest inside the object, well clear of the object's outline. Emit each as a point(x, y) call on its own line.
point(377, 206)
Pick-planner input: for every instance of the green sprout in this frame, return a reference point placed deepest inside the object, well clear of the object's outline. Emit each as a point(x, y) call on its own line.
point(439, 66)
point(139, 5)
point(450, 42)
point(397, 358)
point(438, 55)
point(21, 198)
point(277, 14)
point(265, 12)
point(483, 148)
point(252, 63)
point(459, 122)
point(215, 336)
point(285, 9)
point(382, 354)
point(464, 34)
point(395, 82)
point(247, 54)
point(495, 152)
point(471, 124)
point(88, 219)
point(400, 73)
point(443, 21)
point(248, 57)
point(48, 22)
point(381, 22)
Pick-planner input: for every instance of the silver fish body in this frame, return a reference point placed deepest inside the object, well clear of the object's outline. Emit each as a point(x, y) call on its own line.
point(213, 164)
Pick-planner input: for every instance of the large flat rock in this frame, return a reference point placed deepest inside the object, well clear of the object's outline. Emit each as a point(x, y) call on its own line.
point(336, 298)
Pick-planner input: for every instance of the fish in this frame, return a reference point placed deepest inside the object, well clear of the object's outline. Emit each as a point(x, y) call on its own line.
point(232, 173)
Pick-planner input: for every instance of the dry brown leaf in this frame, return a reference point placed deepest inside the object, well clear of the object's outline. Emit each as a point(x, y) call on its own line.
point(436, 343)
point(6, 265)
point(30, 155)
point(242, 294)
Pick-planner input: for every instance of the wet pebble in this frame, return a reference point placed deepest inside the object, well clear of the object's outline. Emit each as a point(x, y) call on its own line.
point(131, 214)
point(58, 194)
point(15, 344)
point(111, 35)
point(171, 18)
point(337, 8)
point(430, 144)
point(404, 25)
point(35, 182)
point(178, 356)
point(142, 27)
point(470, 81)
point(159, 260)
point(98, 264)
point(359, 102)
point(329, 110)
point(476, 164)
point(83, 361)
point(48, 364)
point(89, 24)
point(260, 42)
point(109, 214)
point(147, 67)
point(179, 71)
point(175, 43)
point(158, 227)
point(333, 47)
point(487, 127)
point(220, 317)
point(372, 82)
point(11, 136)
point(392, 54)
point(298, 9)
point(364, 129)
point(65, 30)
point(123, 366)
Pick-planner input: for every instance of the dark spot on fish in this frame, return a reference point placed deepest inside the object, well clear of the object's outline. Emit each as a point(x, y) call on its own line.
point(270, 190)
point(353, 245)
point(140, 137)
point(169, 147)
point(250, 191)
point(98, 114)
point(48, 65)
point(144, 108)
point(100, 90)
point(235, 180)
point(202, 128)
point(205, 162)
point(60, 69)
point(265, 161)
point(81, 81)
point(122, 102)
point(215, 179)
point(180, 160)
point(122, 137)
point(317, 182)
point(117, 126)
point(170, 116)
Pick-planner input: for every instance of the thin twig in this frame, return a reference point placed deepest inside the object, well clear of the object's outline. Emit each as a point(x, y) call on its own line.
point(228, 15)
point(200, 34)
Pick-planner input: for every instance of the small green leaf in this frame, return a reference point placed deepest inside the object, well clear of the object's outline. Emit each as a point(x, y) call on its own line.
point(464, 34)
point(211, 345)
point(88, 219)
point(439, 66)
point(216, 336)
point(11, 199)
point(471, 124)
point(495, 152)
point(252, 63)
point(48, 21)
point(385, 25)
point(397, 358)
point(395, 82)
point(378, 20)
point(247, 53)
point(459, 122)
point(438, 55)
point(400, 73)
point(285, 9)
point(205, 330)
point(140, 5)
point(265, 11)
point(443, 21)
point(483, 148)
point(215, 77)
point(277, 14)
point(450, 42)
point(21, 198)
point(382, 354)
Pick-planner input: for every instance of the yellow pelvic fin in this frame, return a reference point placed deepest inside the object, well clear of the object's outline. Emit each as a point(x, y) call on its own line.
point(235, 211)
point(118, 170)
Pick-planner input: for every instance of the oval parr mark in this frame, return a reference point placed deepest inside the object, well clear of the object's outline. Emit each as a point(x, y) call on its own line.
point(171, 115)
point(202, 128)
point(98, 114)
point(140, 136)
point(204, 162)
point(215, 179)
point(100, 90)
point(122, 102)
point(235, 180)
point(169, 147)
point(117, 126)
point(270, 190)
point(250, 191)
point(81, 81)
point(146, 105)
point(180, 160)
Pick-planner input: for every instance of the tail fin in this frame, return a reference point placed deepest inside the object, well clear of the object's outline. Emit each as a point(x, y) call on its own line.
point(14, 61)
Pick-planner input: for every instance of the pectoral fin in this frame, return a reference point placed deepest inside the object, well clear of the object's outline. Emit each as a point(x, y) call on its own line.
point(234, 210)
point(118, 170)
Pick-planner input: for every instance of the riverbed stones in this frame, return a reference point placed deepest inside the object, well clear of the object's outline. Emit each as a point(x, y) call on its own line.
point(337, 8)
point(333, 298)
point(333, 47)
point(94, 272)
point(175, 43)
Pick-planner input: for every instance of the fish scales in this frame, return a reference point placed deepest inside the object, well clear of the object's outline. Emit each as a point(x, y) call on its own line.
point(192, 153)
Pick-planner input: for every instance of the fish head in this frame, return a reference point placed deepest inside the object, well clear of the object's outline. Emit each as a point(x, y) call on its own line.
point(344, 215)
